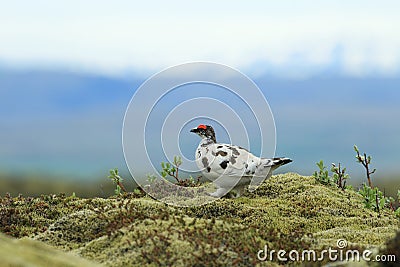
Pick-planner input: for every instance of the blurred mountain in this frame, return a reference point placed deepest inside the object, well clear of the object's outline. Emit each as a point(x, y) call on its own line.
point(69, 124)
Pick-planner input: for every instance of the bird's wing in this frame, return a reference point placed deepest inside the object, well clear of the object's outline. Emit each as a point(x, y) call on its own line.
point(231, 160)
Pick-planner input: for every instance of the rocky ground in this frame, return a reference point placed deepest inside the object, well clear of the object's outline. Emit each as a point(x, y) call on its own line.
point(289, 212)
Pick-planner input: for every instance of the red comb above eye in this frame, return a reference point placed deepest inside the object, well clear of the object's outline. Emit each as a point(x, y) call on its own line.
point(201, 126)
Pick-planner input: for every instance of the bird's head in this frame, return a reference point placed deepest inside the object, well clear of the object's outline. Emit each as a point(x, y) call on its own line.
point(205, 131)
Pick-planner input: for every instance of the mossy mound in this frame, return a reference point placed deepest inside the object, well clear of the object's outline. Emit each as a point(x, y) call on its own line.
point(286, 212)
point(27, 252)
point(20, 216)
point(392, 247)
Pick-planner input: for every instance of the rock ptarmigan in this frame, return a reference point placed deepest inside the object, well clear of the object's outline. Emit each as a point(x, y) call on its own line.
point(230, 166)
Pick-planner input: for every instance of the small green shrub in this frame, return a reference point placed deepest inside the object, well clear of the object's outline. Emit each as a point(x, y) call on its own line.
point(338, 177)
point(117, 180)
point(172, 170)
point(322, 175)
point(397, 212)
point(373, 198)
point(365, 161)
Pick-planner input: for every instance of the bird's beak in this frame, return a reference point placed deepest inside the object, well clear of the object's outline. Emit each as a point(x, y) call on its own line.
point(194, 130)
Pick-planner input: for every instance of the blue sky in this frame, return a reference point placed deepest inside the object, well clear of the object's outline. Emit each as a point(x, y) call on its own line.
point(330, 71)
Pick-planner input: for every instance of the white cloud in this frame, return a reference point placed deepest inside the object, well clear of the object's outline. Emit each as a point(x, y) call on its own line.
point(122, 37)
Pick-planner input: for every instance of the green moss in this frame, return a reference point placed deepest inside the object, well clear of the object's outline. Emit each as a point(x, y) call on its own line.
point(286, 212)
point(21, 216)
point(70, 231)
point(178, 240)
point(26, 252)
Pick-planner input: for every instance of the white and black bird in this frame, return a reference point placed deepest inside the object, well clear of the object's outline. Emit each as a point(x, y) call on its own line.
point(230, 166)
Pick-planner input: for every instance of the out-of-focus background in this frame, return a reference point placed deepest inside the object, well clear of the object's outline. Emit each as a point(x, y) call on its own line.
point(329, 70)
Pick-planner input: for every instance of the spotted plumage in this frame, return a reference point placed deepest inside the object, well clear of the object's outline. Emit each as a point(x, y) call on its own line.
point(230, 166)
